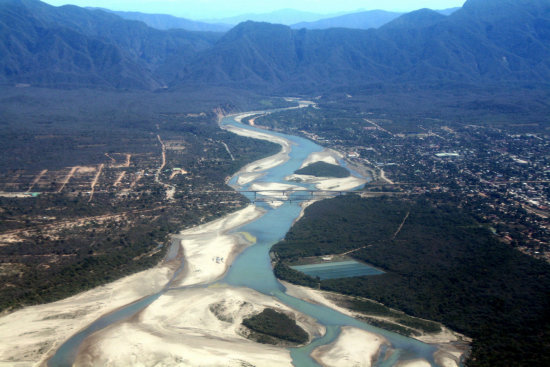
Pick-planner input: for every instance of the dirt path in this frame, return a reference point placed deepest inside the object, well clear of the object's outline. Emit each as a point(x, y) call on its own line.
point(401, 225)
point(119, 178)
point(68, 178)
point(159, 170)
point(175, 173)
point(94, 181)
point(136, 180)
point(170, 189)
point(36, 179)
point(378, 127)
point(352, 251)
point(228, 151)
point(111, 158)
point(383, 177)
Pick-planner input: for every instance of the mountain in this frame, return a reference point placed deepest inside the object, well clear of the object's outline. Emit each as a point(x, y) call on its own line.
point(448, 11)
point(486, 42)
point(283, 16)
point(70, 46)
point(361, 20)
point(166, 22)
point(417, 19)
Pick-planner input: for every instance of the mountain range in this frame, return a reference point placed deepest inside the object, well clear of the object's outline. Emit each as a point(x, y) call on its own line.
point(165, 22)
point(282, 16)
point(359, 20)
point(484, 42)
point(356, 20)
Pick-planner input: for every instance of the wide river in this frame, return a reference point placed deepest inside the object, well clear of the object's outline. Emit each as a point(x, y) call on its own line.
point(253, 269)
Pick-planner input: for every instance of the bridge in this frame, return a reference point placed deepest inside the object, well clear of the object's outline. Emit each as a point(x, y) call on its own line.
point(294, 194)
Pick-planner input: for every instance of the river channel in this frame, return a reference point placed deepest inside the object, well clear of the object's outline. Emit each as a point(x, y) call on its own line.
point(253, 269)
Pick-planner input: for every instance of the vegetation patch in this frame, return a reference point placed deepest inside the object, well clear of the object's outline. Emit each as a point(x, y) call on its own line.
point(271, 324)
point(440, 265)
point(104, 173)
point(323, 169)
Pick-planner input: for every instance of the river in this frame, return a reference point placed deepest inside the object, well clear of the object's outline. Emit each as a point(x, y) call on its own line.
point(252, 269)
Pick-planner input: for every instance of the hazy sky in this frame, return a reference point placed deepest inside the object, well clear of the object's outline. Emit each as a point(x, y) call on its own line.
point(222, 8)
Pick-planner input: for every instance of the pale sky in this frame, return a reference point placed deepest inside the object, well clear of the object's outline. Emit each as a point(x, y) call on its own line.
point(201, 9)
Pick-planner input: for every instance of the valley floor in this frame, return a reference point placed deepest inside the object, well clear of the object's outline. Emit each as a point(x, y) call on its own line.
point(196, 321)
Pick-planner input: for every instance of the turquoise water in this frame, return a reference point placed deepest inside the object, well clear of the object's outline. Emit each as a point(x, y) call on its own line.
point(66, 354)
point(253, 269)
point(341, 269)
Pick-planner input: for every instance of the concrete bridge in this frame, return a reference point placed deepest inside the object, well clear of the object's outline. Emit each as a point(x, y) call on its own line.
point(290, 194)
point(294, 194)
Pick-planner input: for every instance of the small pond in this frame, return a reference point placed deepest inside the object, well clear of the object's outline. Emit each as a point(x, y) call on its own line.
point(340, 269)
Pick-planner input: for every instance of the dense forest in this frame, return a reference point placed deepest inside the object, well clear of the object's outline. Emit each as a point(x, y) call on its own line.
point(323, 169)
point(440, 264)
point(271, 324)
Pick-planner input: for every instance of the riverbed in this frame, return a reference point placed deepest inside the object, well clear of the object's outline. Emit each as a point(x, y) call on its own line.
point(224, 275)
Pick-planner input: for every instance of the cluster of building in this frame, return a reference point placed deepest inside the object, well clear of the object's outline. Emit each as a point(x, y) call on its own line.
point(503, 178)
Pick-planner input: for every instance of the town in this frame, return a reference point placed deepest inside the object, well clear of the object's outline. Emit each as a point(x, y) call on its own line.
point(500, 176)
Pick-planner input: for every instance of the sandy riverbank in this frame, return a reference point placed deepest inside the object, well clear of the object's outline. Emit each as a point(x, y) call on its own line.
point(327, 155)
point(193, 327)
point(250, 172)
point(31, 335)
point(353, 347)
point(209, 249)
point(414, 363)
point(447, 341)
point(327, 183)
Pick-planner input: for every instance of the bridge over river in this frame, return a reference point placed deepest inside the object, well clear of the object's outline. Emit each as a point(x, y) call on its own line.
point(290, 194)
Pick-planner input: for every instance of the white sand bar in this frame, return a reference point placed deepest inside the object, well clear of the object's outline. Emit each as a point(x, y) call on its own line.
point(329, 184)
point(246, 178)
point(328, 156)
point(414, 363)
point(193, 327)
point(31, 335)
point(354, 347)
point(209, 248)
point(266, 163)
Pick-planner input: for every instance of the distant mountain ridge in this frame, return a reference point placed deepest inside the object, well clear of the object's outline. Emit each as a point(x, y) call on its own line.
point(282, 16)
point(166, 22)
point(416, 19)
point(360, 20)
point(419, 47)
point(485, 42)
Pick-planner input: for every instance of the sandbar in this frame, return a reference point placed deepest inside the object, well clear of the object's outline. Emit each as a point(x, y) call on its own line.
point(414, 363)
point(209, 248)
point(266, 163)
point(31, 335)
point(193, 327)
point(353, 347)
point(327, 155)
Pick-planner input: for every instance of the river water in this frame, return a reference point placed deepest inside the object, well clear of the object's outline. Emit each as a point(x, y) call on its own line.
point(253, 269)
